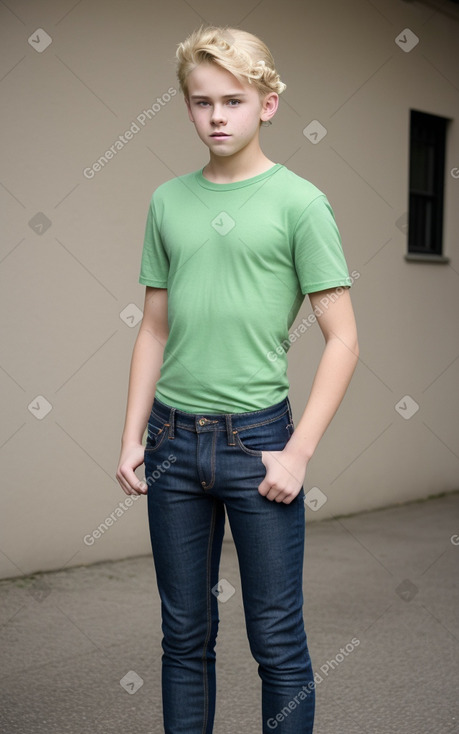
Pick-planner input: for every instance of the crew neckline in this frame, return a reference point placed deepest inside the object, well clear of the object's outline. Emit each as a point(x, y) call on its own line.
point(205, 183)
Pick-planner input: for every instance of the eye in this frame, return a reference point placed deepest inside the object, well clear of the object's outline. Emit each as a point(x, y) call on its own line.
point(202, 103)
point(234, 102)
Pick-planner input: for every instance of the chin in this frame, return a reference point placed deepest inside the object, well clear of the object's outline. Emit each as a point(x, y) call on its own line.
point(224, 153)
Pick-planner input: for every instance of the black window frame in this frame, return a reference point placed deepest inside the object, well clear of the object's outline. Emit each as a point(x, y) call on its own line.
point(426, 199)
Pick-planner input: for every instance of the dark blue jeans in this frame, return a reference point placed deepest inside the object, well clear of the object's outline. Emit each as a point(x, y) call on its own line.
point(196, 465)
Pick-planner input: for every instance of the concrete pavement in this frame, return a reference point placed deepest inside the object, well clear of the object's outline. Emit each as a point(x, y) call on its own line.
point(381, 597)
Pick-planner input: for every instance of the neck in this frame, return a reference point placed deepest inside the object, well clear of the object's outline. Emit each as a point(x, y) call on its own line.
point(237, 167)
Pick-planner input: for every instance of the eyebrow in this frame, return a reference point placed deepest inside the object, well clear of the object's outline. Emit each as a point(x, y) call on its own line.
point(225, 96)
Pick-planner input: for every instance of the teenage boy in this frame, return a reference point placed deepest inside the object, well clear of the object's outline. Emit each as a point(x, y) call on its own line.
point(230, 252)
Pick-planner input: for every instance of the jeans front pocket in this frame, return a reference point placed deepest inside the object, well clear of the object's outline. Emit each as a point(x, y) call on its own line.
point(270, 436)
point(156, 432)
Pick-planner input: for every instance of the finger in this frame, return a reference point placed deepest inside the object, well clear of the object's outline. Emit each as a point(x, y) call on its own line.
point(264, 488)
point(131, 482)
point(290, 495)
point(124, 486)
point(274, 494)
point(142, 487)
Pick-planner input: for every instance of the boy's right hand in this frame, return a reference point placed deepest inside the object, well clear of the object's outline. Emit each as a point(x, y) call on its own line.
point(131, 457)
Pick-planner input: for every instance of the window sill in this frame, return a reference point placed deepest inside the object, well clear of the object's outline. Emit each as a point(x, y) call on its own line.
point(420, 257)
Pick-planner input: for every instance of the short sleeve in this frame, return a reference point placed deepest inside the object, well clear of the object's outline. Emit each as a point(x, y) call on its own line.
point(318, 253)
point(154, 267)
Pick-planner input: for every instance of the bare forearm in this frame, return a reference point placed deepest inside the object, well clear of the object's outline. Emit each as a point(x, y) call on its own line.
point(332, 378)
point(147, 357)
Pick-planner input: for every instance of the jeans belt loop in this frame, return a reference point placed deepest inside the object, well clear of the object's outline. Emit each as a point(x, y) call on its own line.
point(172, 423)
point(290, 412)
point(229, 430)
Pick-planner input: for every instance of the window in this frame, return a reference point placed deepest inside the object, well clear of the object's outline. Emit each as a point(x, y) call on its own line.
point(427, 173)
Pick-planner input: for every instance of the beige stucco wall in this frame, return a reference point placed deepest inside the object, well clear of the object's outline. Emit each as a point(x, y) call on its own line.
point(63, 340)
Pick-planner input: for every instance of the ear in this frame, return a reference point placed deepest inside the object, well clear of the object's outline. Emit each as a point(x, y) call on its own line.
point(269, 107)
point(188, 106)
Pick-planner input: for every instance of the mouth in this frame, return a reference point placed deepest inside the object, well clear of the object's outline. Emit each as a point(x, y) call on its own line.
point(219, 135)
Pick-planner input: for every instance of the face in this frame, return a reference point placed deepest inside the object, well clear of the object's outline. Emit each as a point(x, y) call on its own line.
point(226, 113)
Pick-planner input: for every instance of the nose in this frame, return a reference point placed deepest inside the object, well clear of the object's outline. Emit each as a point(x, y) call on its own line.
point(218, 117)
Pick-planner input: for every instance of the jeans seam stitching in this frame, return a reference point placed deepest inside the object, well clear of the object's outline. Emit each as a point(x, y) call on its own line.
point(159, 443)
point(209, 620)
point(250, 452)
point(261, 423)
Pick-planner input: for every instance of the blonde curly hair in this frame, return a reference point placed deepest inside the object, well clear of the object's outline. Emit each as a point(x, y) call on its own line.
point(239, 52)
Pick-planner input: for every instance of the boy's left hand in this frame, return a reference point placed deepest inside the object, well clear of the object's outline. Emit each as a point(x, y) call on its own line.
point(285, 472)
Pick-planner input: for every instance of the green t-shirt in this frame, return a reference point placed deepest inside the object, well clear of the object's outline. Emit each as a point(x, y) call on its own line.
point(237, 260)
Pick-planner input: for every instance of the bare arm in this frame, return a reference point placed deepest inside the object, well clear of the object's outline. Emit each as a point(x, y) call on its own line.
point(286, 469)
point(147, 358)
point(334, 372)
